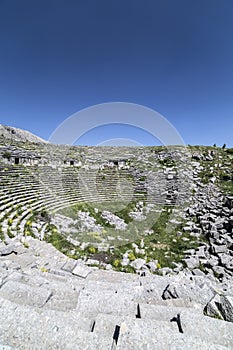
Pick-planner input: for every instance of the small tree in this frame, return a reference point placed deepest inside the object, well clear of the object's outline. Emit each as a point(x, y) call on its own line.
point(224, 146)
point(6, 155)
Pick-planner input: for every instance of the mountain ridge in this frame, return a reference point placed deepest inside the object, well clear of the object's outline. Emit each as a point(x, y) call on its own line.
point(20, 134)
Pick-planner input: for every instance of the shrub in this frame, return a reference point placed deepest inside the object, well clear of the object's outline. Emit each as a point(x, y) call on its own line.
point(131, 256)
point(7, 155)
point(225, 176)
point(26, 245)
point(92, 250)
point(229, 150)
point(29, 223)
point(9, 233)
point(43, 269)
point(10, 222)
point(116, 263)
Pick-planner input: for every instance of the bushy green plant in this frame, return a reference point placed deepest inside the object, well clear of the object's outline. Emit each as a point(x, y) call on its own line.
point(92, 250)
point(9, 222)
point(117, 263)
point(6, 155)
point(131, 256)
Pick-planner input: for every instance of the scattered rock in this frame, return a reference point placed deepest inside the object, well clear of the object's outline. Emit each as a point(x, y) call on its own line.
point(81, 271)
point(220, 306)
point(138, 264)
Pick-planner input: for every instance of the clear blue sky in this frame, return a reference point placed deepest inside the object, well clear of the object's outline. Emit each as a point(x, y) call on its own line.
point(174, 56)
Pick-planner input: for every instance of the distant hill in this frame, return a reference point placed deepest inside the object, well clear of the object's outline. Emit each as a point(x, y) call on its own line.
point(19, 134)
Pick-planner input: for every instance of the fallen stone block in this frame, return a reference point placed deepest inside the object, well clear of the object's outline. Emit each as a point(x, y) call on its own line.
point(189, 290)
point(227, 261)
point(226, 307)
point(69, 265)
point(81, 271)
point(219, 248)
point(7, 250)
point(211, 309)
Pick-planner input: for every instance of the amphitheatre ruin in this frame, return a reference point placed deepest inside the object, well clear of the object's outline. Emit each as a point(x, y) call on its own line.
point(116, 248)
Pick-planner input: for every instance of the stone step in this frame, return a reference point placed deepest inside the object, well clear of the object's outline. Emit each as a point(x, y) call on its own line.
point(132, 289)
point(163, 312)
point(164, 341)
point(198, 330)
point(192, 323)
point(25, 294)
point(107, 302)
point(209, 329)
point(155, 285)
point(6, 347)
point(107, 324)
point(62, 300)
point(113, 277)
point(135, 332)
point(22, 261)
point(177, 303)
point(47, 329)
point(63, 292)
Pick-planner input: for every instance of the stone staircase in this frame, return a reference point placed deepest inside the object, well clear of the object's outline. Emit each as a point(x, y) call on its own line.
point(49, 301)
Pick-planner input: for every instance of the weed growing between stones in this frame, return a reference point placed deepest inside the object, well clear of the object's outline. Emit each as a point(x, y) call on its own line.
point(161, 246)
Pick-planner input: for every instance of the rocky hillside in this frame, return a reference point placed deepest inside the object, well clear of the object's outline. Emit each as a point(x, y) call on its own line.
point(16, 134)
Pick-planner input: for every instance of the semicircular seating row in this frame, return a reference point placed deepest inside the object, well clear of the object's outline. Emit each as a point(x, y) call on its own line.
point(27, 189)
